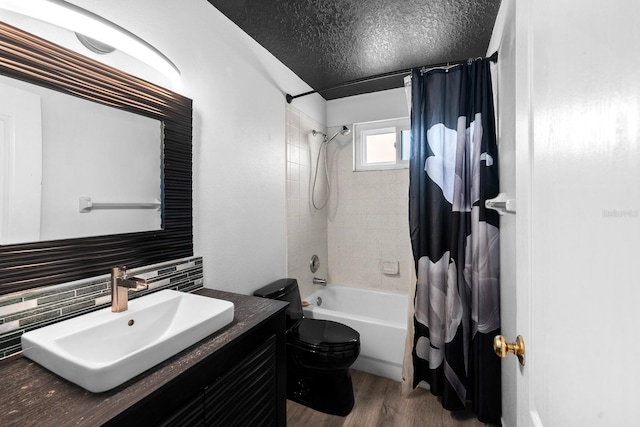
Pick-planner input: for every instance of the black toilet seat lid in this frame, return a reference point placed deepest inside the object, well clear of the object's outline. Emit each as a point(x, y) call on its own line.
point(324, 335)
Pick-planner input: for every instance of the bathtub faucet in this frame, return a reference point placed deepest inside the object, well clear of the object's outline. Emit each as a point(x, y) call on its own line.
point(318, 281)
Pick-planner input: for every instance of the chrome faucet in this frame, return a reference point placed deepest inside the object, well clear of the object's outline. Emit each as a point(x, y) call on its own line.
point(120, 287)
point(319, 281)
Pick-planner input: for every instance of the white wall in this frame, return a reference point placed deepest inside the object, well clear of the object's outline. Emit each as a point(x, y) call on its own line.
point(387, 104)
point(238, 133)
point(368, 211)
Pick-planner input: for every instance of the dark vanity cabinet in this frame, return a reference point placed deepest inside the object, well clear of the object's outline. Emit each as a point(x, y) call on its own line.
point(242, 384)
point(236, 377)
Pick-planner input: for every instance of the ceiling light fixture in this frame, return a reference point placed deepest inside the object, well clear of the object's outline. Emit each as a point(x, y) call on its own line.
point(94, 45)
point(81, 21)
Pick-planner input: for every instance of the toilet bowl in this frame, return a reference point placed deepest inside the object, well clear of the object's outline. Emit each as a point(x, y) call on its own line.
point(319, 354)
point(323, 344)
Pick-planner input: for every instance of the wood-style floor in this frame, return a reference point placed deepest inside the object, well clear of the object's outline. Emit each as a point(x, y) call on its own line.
point(379, 402)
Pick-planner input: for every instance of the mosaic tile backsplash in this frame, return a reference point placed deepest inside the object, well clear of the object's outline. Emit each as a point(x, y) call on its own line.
point(21, 312)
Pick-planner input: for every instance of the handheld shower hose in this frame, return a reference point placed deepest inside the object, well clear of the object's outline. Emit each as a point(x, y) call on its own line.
point(343, 131)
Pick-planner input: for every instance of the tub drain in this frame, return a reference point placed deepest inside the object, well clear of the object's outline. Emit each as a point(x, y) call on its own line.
point(319, 301)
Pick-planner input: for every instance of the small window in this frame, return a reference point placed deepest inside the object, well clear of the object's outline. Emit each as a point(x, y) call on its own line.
point(382, 145)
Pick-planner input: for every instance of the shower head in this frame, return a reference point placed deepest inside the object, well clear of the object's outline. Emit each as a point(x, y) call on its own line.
point(343, 131)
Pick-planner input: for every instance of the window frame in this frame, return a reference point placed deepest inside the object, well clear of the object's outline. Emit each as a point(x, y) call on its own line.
point(378, 127)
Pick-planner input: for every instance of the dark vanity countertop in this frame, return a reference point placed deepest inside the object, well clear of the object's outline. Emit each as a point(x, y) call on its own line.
point(31, 395)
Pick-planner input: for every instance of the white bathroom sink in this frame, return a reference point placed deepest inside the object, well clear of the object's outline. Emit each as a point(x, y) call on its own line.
point(102, 349)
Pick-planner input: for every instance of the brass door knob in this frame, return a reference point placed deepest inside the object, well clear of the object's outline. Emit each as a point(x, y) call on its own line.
point(502, 347)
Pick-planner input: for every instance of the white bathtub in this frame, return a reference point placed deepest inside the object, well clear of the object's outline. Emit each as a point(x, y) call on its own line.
point(379, 317)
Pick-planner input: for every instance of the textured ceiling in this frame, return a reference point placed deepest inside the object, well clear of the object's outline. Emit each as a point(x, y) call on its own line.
point(328, 42)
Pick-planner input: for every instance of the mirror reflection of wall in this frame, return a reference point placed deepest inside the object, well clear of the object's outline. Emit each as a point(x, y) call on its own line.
point(85, 149)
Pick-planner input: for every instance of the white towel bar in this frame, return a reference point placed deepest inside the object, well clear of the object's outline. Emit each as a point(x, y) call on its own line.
point(86, 205)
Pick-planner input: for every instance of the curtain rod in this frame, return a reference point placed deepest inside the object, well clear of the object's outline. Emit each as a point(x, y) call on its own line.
point(492, 58)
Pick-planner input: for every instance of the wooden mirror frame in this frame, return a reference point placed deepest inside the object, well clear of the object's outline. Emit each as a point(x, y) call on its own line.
point(24, 266)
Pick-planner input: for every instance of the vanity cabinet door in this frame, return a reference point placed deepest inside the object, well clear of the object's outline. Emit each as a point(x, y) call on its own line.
point(246, 394)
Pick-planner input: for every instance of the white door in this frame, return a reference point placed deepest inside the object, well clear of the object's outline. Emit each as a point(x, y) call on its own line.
point(578, 222)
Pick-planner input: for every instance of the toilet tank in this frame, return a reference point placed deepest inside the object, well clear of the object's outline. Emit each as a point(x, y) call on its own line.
point(284, 290)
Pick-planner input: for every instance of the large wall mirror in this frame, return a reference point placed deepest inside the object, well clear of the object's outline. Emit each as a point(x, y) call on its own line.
point(141, 135)
point(74, 168)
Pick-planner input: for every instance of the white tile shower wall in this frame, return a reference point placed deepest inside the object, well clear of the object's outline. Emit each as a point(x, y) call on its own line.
point(306, 226)
point(367, 223)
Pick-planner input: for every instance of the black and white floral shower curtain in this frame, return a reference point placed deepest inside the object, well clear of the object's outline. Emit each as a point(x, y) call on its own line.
point(455, 240)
